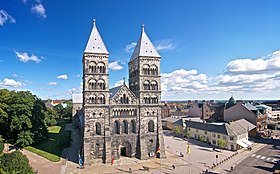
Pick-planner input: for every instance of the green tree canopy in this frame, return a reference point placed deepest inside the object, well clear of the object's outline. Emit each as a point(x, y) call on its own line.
point(15, 162)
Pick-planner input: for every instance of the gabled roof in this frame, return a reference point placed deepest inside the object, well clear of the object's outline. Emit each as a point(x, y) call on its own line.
point(245, 124)
point(95, 43)
point(115, 90)
point(250, 107)
point(231, 129)
point(144, 47)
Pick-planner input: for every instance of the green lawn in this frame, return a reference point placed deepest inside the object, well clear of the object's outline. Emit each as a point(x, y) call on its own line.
point(52, 148)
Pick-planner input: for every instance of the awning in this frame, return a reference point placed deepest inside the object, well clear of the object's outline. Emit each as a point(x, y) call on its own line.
point(241, 143)
point(248, 142)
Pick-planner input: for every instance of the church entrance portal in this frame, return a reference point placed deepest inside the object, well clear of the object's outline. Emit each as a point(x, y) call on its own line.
point(125, 149)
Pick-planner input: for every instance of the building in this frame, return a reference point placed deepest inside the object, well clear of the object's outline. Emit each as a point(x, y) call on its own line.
point(165, 111)
point(234, 134)
point(248, 112)
point(125, 120)
point(203, 110)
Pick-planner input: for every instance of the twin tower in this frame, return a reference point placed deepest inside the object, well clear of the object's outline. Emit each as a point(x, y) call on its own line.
point(125, 120)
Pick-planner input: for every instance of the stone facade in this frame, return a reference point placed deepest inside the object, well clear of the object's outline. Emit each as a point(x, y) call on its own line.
point(122, 121)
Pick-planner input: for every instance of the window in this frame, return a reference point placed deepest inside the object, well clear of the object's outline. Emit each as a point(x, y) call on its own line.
point(124, 99)
point(214, 135)
point(213, 141)
point(117, 127)
point(151, 126)
point(205, 132)
point(133, 126)
point(125, 127)
point(219, 136)
point(196, 130)
point(231, 138)
point(98, 128)
point(224, 137)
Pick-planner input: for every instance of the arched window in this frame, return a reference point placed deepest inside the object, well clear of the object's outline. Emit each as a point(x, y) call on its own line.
point(146, 85)
point(101, 84)
point(117, 127)
point(146, 69)
point(98, 128)
point(92, 99)
point(101, 99)
point(154, 70)
point(154, 85)
point(154, 99)
point(92, 67)
point(92, 84)
point(101, 67)
point(151, 126)
point(133, 126)
point(124, 99)
point(125, 127)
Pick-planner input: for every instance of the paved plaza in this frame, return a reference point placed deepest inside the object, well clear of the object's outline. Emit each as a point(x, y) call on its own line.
point(201, 157)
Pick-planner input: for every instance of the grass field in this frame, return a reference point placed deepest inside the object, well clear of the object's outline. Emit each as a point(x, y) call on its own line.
point(52, 148)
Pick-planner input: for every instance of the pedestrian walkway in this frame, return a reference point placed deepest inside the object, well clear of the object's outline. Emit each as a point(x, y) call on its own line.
point(238, 158)
point(264, 158)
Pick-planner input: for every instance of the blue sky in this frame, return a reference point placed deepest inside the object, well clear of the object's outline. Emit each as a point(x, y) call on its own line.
point(209, 49)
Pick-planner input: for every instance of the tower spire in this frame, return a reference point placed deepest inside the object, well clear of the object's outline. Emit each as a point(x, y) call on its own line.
point(95, 43)
point(94, 21)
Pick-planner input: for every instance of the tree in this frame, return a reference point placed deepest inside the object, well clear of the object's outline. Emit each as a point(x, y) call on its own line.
point(177, 130)
point(187, 134)
point(222, 144)
point(59, 110)
point(15, 162)
point(51, 116)
point(22, 117)
point(202, 139)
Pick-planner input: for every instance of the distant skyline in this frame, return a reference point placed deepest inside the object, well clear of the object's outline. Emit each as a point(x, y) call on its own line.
point(209, 49)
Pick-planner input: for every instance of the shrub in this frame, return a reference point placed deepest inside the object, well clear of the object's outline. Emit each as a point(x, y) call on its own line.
point(15, 162)
point(1, 147)
point(202, 139)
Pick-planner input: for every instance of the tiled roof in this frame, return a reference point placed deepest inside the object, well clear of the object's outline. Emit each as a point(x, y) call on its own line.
point(114, 90)
point(233, 128)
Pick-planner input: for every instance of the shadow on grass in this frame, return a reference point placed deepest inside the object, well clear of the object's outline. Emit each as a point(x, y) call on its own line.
point(54, 145)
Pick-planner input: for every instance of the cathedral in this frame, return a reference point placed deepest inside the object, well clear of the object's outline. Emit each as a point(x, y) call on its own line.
point(124, 120)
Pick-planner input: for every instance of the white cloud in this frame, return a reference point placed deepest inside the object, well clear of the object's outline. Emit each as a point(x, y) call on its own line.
point(165, 44)
point(129, 48)
point(63, 76)
point(52, 83)
point(77, 75)
point(40, 10)
point(15, 75)
point(24, 1)
point(118, 83)
point(115, 66)
point(11, 83)
point(183, 82)
point(269, 63)
point(24, 57)
point(5, 17)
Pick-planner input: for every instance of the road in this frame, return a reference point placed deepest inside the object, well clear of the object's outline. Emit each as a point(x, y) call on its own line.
point(262, 161)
